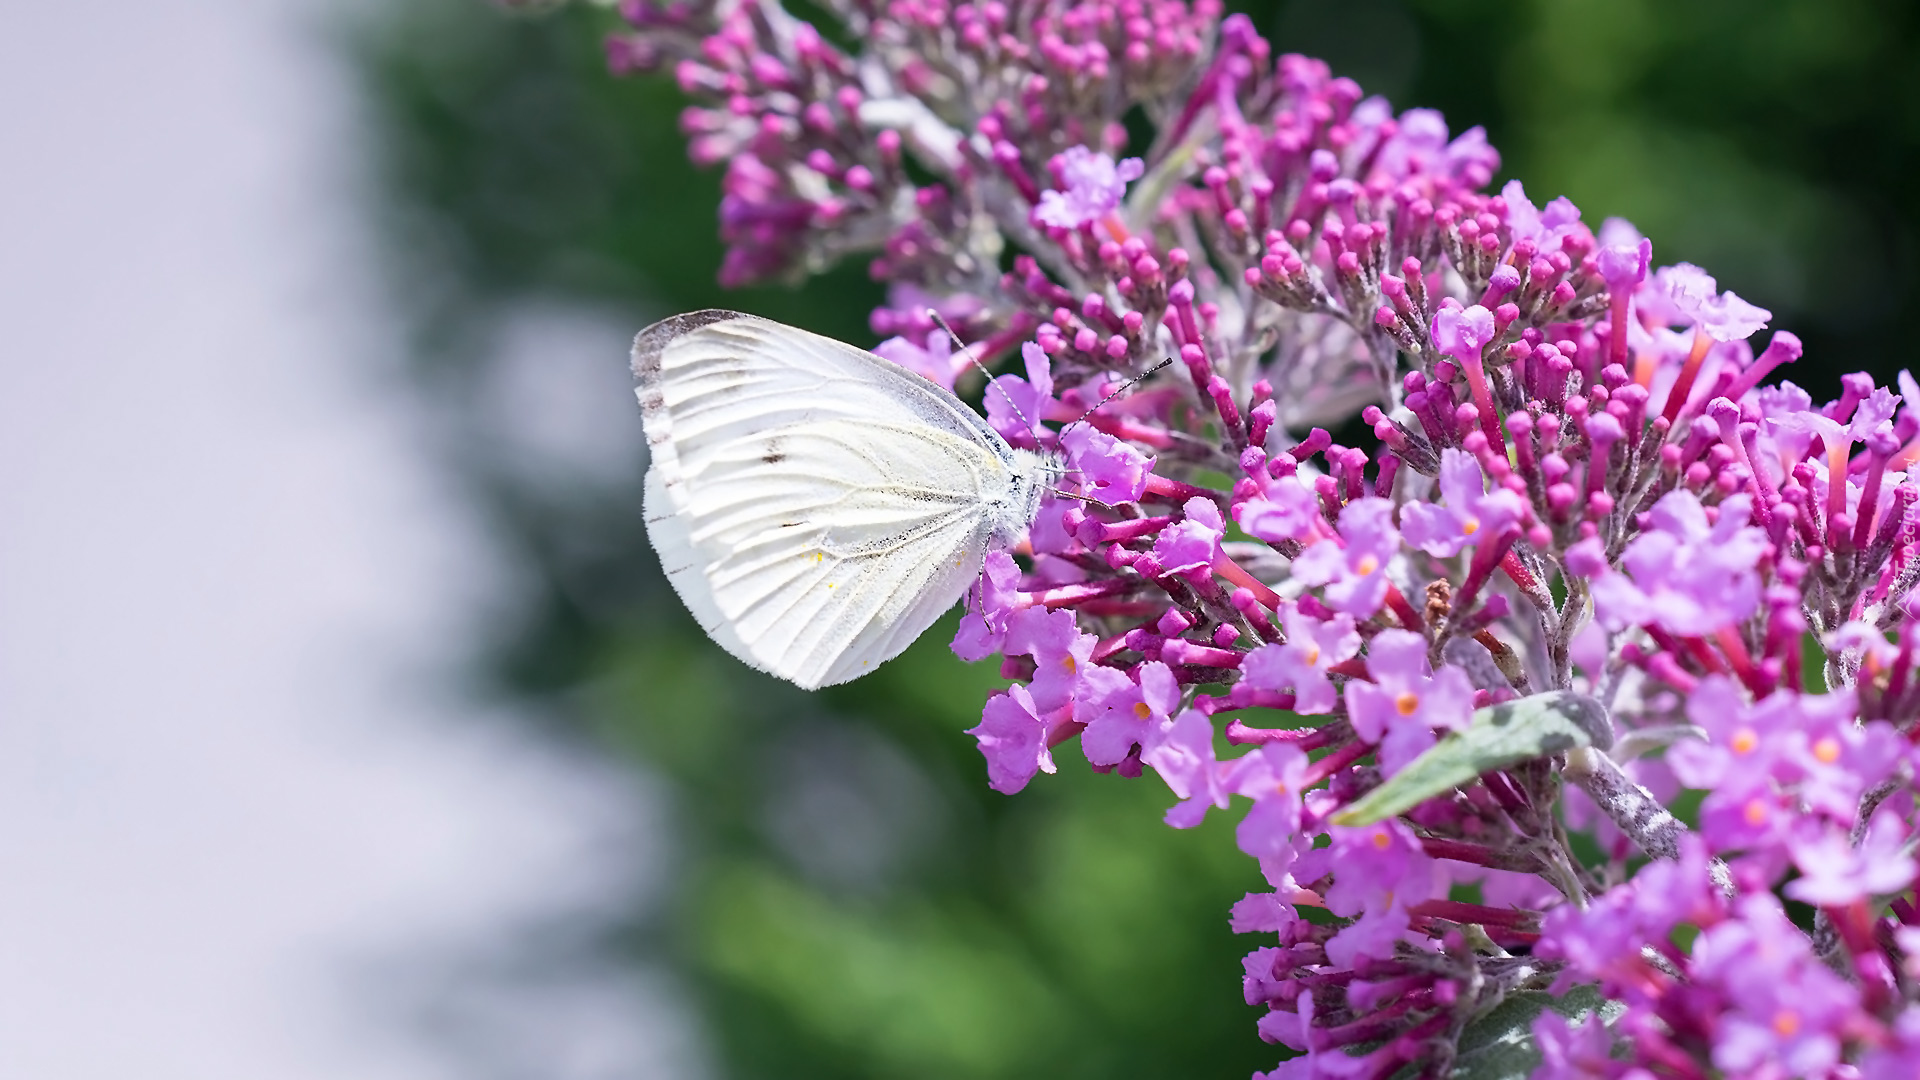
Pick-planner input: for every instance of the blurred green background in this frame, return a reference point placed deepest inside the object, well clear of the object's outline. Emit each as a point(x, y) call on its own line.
point(847, 898)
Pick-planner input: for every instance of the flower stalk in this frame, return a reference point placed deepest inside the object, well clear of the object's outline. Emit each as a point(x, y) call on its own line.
point(1572, 458)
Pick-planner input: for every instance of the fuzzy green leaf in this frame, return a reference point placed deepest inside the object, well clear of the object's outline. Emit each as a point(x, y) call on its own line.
point(1500, 1046)
point(1500, 735)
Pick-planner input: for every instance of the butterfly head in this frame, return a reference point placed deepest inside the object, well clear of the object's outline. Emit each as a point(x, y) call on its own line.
point(1034, 474)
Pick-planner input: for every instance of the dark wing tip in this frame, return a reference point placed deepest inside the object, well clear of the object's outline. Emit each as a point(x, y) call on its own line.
point(651, 342)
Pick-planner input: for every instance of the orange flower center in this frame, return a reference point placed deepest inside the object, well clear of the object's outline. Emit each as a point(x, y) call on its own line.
point(1067, 662)
point(1313, 655)
point(1786, 1022)
point(1140, 710)
point(1827, 750)
point(1745, 741)
point(1470, 526)
point(1367, 565)
point(1756, 811)
point(1407, 703)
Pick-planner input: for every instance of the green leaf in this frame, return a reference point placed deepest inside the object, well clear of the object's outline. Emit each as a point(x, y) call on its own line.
point(1501, 735)
point(1499, 1045)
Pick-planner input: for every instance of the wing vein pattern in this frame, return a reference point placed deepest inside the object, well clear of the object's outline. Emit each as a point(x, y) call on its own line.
point(816, 507)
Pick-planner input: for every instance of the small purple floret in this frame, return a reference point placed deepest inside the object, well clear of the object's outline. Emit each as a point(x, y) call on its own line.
point(1092, 185)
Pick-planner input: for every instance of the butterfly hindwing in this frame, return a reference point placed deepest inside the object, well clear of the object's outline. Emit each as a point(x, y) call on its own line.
point(816, 507)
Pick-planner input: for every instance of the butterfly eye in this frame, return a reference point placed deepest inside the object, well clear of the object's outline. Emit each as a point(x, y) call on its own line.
point(725, 397)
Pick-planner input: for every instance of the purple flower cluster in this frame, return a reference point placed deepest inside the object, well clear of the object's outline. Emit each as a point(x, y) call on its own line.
point(1576, 481)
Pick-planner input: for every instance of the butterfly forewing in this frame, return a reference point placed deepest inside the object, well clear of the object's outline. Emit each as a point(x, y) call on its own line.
point(815, 506)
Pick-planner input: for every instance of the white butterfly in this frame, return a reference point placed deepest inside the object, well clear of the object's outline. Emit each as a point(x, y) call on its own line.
point(815, 506)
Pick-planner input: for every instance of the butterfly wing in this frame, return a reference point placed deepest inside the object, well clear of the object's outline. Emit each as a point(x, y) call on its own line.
point(815, 506)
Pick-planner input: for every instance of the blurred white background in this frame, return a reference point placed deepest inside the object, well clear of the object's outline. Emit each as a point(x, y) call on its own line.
point(246, 827)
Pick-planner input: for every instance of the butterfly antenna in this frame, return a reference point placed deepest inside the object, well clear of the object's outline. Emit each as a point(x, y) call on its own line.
point(1080, 498)
point(967, 351)
point(1082, 418)
point(1123, 388)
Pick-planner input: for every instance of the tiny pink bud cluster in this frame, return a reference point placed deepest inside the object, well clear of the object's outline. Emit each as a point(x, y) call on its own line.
point(1577, 481)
